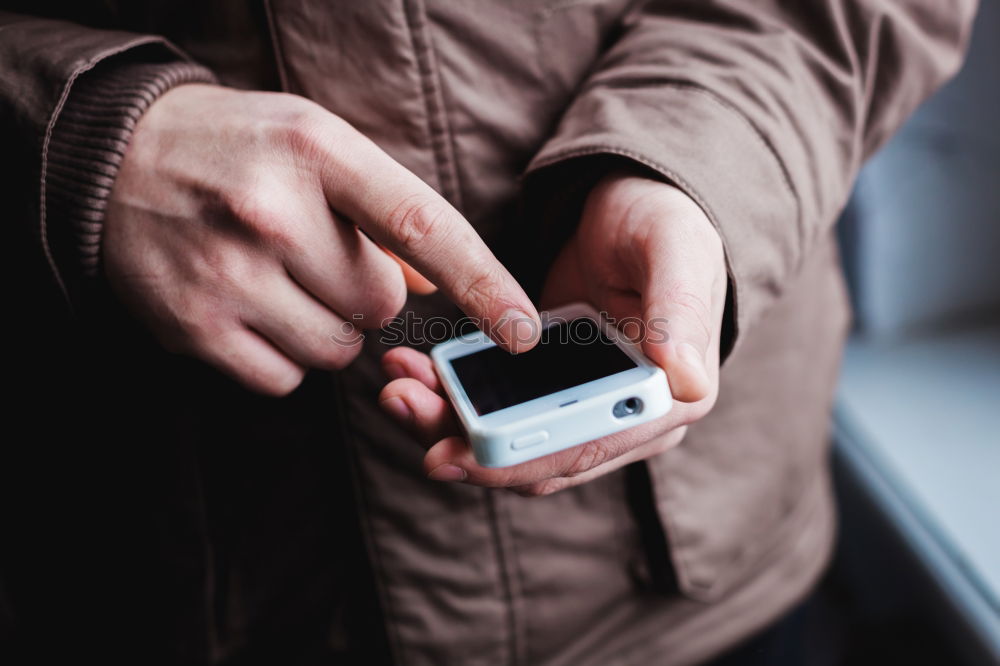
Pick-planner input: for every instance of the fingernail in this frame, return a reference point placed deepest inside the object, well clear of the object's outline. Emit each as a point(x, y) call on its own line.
point(516, 329)
point(447, 472)
point(398, 408)
point(394, 371)
point(692, 357)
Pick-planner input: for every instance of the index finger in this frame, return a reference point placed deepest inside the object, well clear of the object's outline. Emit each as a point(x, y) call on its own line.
point(407, 216)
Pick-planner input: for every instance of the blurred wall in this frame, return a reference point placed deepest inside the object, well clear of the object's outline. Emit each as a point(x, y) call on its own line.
point(923, 230)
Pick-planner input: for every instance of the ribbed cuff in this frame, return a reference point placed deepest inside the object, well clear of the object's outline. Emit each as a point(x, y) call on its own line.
point(86, 149)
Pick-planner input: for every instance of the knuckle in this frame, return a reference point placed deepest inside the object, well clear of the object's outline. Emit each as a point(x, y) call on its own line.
point(696, 306)
point(500, 478)
point(201, 335)
point(259, 211)
point(222, 271)
point(196, 326)
point(415, 221)
point(385, 300)
point(215, 261)
point(550, 486)
point(346, 335)
point(314, 345)
point(541, 488)
point(587, 457)
point(334, 355)
point(482, 289)
point(304, 131)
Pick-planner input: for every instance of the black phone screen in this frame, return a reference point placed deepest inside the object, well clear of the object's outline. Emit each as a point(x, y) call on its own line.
point(569, 354)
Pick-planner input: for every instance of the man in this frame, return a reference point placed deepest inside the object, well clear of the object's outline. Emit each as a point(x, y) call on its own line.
point(678, 160)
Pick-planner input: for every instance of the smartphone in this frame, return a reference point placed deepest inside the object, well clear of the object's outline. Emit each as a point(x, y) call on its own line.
point(583, 380)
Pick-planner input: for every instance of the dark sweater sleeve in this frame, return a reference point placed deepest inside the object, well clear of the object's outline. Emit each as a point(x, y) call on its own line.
point(70, 96)
point(86, 149)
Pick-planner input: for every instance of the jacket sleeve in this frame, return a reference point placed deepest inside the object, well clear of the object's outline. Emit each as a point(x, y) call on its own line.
point(69, 98)
point(762, 112)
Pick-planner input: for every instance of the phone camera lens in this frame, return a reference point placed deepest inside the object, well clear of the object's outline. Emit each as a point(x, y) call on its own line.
point(627, 407)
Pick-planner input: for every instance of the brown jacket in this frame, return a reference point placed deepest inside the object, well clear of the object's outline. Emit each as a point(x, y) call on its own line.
point(233, 506)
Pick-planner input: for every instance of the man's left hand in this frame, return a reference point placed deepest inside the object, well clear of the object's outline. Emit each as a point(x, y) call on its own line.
point(644, 253)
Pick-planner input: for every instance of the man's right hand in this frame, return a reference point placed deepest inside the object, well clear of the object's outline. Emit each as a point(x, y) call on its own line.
point(232, 230)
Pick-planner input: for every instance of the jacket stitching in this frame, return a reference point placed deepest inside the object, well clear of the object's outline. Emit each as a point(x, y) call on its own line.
point(437, 125)
point(519, 636)
point(505, 570)
point(518, 639)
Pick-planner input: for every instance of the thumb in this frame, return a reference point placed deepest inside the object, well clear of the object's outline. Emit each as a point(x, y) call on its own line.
point(681, 337)
point(683, 286)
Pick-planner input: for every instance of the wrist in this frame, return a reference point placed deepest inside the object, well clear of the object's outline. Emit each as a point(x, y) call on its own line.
point(85, 153)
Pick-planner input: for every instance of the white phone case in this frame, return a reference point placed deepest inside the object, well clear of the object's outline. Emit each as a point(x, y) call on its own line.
point(559, 420)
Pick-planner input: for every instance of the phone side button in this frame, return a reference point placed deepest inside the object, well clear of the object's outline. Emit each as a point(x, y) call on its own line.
point(534, 439)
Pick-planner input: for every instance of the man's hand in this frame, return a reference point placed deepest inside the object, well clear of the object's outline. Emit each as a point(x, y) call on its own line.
point(643, 251)
point(234, 230)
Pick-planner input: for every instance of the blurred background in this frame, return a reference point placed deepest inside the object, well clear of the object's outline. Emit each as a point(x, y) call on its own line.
point(916, 579)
